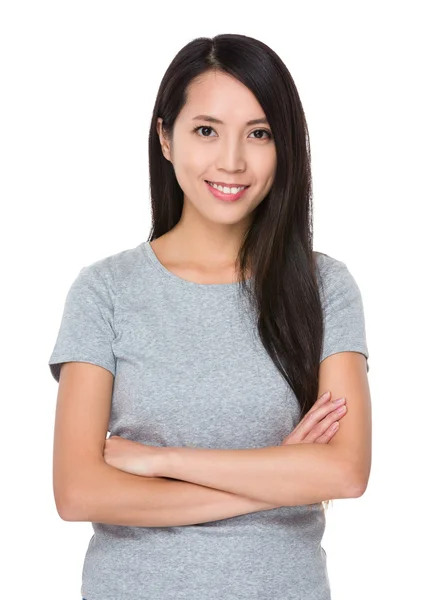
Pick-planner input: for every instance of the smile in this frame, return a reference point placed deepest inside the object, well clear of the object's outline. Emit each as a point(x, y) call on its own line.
point(227, 189)
point(227, 194)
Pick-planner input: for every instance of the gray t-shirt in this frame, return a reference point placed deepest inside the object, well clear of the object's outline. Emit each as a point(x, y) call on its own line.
point(190, 370)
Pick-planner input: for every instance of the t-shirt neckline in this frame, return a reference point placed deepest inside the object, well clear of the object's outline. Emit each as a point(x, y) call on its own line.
point(150, 254)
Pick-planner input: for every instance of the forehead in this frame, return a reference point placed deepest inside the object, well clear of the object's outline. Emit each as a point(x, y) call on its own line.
point(221, 96)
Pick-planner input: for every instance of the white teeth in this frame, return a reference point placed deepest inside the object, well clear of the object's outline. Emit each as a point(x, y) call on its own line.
point(227, 190)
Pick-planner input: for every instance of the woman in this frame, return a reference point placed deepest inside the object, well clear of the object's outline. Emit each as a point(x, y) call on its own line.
point(204, 351)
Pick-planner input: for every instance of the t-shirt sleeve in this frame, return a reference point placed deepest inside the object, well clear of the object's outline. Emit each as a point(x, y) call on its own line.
point(343, 310)
point(86, 330)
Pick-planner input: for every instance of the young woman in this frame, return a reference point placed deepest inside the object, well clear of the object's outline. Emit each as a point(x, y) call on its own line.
point(205, 350)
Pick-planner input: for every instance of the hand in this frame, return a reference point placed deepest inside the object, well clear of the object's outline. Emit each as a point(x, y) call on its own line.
point(132, 457)
point(316, 426)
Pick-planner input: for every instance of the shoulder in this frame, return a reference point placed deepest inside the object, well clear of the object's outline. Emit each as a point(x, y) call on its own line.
point(334, 277)
point(327, 263)
point(329, 267)
point(116, 270)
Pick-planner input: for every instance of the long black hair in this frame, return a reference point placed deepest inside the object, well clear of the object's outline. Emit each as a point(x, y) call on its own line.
point(277, 246)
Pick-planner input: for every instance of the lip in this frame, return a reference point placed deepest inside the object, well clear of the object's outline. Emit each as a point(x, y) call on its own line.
point(225, 197)
point(223, 184)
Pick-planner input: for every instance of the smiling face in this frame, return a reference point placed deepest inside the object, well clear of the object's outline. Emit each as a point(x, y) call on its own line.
point(232, 152)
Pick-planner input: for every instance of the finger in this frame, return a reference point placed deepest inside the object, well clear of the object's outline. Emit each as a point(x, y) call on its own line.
point(317, 415)
point(322, 411)
point(321, 408)
point(321, 401)
point(321, 427)
point(329, 433)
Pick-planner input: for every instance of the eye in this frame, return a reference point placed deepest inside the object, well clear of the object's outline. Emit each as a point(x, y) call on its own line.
point(263, 131)
point(211, 129)
point(203, 127)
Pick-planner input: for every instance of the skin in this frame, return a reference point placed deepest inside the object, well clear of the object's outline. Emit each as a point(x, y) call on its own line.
point(203, 246)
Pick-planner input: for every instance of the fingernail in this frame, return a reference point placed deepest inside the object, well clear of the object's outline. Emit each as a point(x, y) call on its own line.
point(326, 394)
point(339, 400)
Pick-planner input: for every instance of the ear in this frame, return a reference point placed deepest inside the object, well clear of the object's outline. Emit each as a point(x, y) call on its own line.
point(166, 148)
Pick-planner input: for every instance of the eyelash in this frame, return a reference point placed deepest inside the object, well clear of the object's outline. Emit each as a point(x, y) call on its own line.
point(208, 127)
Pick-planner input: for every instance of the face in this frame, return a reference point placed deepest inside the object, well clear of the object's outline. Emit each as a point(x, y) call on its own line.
point(232, 152)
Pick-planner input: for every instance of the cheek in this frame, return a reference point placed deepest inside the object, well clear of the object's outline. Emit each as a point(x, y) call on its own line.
point(188, 176)
point(191, 163)
point(263, 164)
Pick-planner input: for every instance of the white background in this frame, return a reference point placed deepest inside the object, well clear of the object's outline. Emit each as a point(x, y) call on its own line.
point(78, 84)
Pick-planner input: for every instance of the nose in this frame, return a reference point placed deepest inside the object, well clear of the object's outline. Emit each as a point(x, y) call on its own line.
point(231, 157)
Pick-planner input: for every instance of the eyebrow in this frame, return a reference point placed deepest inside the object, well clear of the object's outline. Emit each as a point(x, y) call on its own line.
point(210, 119)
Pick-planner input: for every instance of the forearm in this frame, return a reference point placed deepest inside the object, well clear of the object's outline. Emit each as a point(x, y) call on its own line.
point(109, 495)
point(286, 475)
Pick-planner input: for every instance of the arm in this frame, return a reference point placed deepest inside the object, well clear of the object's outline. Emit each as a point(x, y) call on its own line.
point(280, 475)
point(299, 473)
point(108, 495)
point(86, 488)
